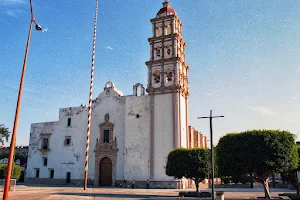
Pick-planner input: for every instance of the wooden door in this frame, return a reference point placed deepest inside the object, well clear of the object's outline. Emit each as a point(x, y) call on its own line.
point(105, 176)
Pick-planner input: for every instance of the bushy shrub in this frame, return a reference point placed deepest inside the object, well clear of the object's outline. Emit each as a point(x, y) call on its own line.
point(16, 173)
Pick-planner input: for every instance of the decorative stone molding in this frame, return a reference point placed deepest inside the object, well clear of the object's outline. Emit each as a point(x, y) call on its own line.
point(108, 150)
point(106, 125)
point(109, 85)
point(176, 88)
point(103, 150)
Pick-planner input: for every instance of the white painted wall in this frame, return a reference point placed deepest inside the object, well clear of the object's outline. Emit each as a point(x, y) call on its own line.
point(61, 158)
point(163, 134)
point(114, 105)
point(183, 122)
point(137, 140)
point(132, 133)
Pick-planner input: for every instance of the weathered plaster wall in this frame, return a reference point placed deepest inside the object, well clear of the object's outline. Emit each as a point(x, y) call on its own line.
point(73, 156)
point(114, 105)
point(131, 118)
point(163, 134)
point(61, 158)
point(137, 140)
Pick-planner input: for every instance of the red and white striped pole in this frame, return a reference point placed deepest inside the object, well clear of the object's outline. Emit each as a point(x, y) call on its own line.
point(90, 102)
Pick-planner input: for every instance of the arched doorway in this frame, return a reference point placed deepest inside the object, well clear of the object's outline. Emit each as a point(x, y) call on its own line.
point(105, 172)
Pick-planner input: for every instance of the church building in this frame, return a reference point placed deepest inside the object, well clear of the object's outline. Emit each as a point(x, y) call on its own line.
point(131, 136)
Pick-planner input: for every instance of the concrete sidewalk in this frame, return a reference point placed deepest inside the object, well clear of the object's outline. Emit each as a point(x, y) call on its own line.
point(76, 193)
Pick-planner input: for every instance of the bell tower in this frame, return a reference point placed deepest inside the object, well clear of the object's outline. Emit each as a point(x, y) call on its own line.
point(168, 89)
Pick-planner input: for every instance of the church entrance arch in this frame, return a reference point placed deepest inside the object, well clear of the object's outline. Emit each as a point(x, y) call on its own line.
point(106, 155)
point(105, 176)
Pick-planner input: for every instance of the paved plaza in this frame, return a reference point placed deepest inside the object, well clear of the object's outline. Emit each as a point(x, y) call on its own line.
point(76, 193)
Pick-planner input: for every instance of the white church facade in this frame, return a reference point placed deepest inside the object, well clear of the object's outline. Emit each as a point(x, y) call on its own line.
point(131, 136)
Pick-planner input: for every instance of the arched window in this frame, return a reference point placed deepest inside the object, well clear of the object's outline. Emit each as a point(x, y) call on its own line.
point(157, 51)
point(156, 76)
point(158, 31)
point(167, 30)
point(169, 50)
point(169, 75)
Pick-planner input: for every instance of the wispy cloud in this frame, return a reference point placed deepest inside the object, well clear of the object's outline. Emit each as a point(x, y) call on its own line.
point(11, 2)
point(13, 12)
point(264, 111)
point(11, 8)
point(109, 47)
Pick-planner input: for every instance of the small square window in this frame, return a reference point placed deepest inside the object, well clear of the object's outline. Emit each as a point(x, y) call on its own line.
point(45, 160)
point(67, 140)
point(69, 121)
point(37, 173)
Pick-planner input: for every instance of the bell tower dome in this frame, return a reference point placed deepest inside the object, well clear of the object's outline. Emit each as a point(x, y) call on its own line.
point(168, 88)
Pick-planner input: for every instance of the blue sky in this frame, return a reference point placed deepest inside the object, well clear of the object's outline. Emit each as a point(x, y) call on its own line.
point(244, 59)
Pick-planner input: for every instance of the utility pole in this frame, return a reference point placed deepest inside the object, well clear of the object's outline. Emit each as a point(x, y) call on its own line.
point(212, 153)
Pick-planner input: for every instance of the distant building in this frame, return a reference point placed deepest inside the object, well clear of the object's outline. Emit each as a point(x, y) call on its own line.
point(20, 156)
point(131, 136)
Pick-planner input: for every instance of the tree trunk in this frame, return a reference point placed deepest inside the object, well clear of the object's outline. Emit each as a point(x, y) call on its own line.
point(265, 182)
point(273, 180)
point(251, 180)
point(197, 185)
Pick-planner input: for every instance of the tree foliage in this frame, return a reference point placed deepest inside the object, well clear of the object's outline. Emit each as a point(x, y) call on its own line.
point(261, 152)
point(18, 156)
point(16, 172)
point(4, 133)
point(189, 163)
point(291, 175)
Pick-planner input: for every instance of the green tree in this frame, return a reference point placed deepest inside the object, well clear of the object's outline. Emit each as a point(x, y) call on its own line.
point(189, 163)
point(16, 173)
point(261, 152)
point(4, 133)
point(291, 175)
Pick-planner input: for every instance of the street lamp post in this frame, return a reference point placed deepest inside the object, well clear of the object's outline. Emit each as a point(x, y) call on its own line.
point(212, 153)
point(14, 134)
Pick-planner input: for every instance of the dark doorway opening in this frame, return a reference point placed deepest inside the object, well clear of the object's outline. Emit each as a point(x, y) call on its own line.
point(68, 177)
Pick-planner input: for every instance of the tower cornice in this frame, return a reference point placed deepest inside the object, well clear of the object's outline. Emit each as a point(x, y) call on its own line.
point(171, 36)
point(176, 59)
point(163, 18)
point(150, 63)
point(184, 91)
